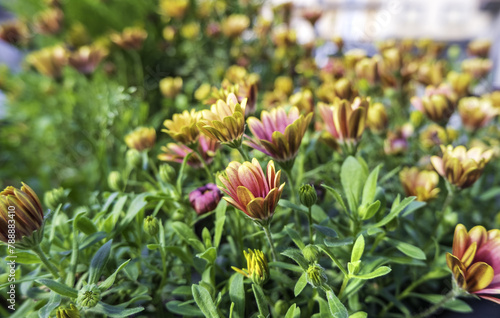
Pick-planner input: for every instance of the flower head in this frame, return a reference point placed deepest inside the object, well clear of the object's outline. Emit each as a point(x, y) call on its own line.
point(377, 119)
point(49, 61)
point(48, 21)
point(207, 147)
point(480, 48)
point(437, 103)
point(459, 82)
point(170, 86)
point(68, 312)
point(422, 184)
point(476, 112)
point(182, 127)
point(461, 167)
point(225, 121)
point(279, 134)
point(303, 100)
point(151, 225)
point(89, 296)
point(435, 135)
point(397, 141)
point(205, 198)
point(142, 138)
point(477, 67)
point(475, 261)
point(234, 25)
point(86, 59)
point(174, 8)
point(250, 190)
point(14, 32)
point(258, 270)
point(23, 206)
point(130, 38)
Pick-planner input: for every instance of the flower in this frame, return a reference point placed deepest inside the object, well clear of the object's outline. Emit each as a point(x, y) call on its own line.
point(205, 199)
point(477, 67)
point(258, 270)
point(24, 208)
point(182, 127)
point(476, 112)
point(141, 138)
point(234, 25)
point(438, 103)
point(130, 38)
point(316, 275)
point(367, 69)
point(54, 197)
point(48, 21)
point(86, 59)
point(284, 84)
point(207, 147)
point(14, 32)
point(115, 181)
point(250, 190)
point(151, 225)
point(475, 261)
point(225, 121)
point(67, 312)
point(170, 86)
point(422, 184)
point(397, 141)
point(461, 167)
point(279, 134)
point(435, 135)
point(49, 61)
point(303, 100)
point(480, 48)
point(174, 8)
point(459, 82)
point(377, 119)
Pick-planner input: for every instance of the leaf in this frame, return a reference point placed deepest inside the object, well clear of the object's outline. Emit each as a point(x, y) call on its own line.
point(261, 300)
point(111, 279)
point(98, 262)
point(153, 246)
point(180, 253)
point(395, 210)
point(326, 231)
point(114, 311)
point(301, 283)
point(187, 235)
point(289, 205)
point(370, 211)
point(237, 296)
point(358, 249)
point(334, 259)
point(456, 305)
point(53, 303)
point(136, 205)
point(24, 257)
point(295, 237)
point(370, 187)
point(337, 309)
point(335, 242)
point(220, 219)
point(408, 249)
point(490, 194)
point(293, 312)
point(59, 288)
point(413, 206)
point(359, 314)
point(381, 271)
point(204, 301)
point(337, 196)
point(180, 308)
point(85, 225)
point(353, 177)
point(290, 267)
point(209, 255)
point(297, 256)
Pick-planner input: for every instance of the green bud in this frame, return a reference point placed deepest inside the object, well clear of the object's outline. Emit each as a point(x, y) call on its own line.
point(151, 226)
point(54, 197)
point(308, 196)
point(88, 296)
point(133, 158)
point(416, 118)
point(67, 312)
point(310, 253)
point(178, 215)
point(316, 276)
point(115, 181)
point(454, 52)
point(281, 307)
point(167, 173)
point(451, 219)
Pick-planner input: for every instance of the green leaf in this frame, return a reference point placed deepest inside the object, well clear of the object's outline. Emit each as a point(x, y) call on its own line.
point(326, 231)
point(204, 301)
point(59, 288)
point(299, 286)
point(53, 303)
point(335, 242)
point(237, 296)
point(367, 213)
point(395, 210)
point(381, 271)
point(297, 256)
point(114, 311)
point(353, 177)
point(337, 196)
point(289, 205)
point(408, 249)
point(180, 253)
point(153, 246)
point(111, 279)
point(358, 249)
point(293, 312)
point(209, 255)
point(359, 314)
point(135, 207)
point(220, 219)
point(188, 236)
point(85, 225)
point(370, 187)
point(98, 262)
point(295, 237)
point(24, 257)
point(184, 309)
point(290, 267)
point(456, 305)
point(260, 298)
point(413, 206)
point(337, 309)
point(334, 259)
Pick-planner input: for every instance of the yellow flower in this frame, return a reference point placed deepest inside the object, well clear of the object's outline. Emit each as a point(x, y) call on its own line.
point(476, 112)
point(182, 127)
point(283, 84)
point(459, 82)
point(377, 119)
point(171, 86)
point(49, 61)
point(235, 24)
point(130, 38)
point(480, 47)
point(461, 167)
point(174, 8)
point(303, 100)
point(438, 104)
point(435, 135)
point(477, 67)
point(142, 138)
point(367, 69)
point(225, 121)
point(422, 184)
point(258, 269)
point(190, 31)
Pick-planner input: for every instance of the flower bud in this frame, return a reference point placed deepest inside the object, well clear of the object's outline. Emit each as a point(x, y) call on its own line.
point(258, 270)
point(459, 82)
point(205, 198)
point(151, 226)
point(170, 86)
point(167, 173)
point(133, 158)
point(377, 117)
point(115, 181)
point(54, 197)
point(88, 296)
point(316, 276)
point(310, 253)
point(141, 138)
point(307, 195)
point(343, 88)
point(67, 312)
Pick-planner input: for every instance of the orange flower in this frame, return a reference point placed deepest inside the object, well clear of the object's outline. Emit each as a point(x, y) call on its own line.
point(251, 191)
point(475, 261)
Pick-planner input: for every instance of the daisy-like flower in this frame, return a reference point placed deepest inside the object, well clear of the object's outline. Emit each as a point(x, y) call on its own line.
point(422, 184)
point(86, 59)
point(49, 61)
point(461, 167)
point(258, 269)
point(225, 121)
point(207, 147)
point(476, 112)
point(437, 103)
point(279, 134)
point(475, 261)
point(251, 191)
point(142, 138)
point(130, 38)
point(182, 127)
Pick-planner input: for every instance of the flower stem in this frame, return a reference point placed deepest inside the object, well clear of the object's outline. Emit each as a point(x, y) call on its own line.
point(344, 285)
point(293, 198)
point(204, 164)
point(243, 153)
point(41, 255)
point(446, 299)
point(164, 262)
point(267, 231)
point(310, 226)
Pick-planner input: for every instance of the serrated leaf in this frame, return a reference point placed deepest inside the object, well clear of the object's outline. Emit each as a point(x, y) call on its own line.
point(204, 301)
point(59, 288)
point(358, 249)
point(98, 262)
point(337, 309)
point(299, 286)
point(237, 296)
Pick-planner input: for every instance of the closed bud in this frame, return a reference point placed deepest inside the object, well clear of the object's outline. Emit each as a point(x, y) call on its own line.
point(310, 253)
point(54, 197)
point(316, 276)
point(88, 296)
point(343, 88)
point(67, 312)
point(416, 119)
point(167, 173)
point(307, 195)
point(258, 269)
point(115, 181)
point(377, 119)
point(151, 225)
point(281, 307)
point(133, 158)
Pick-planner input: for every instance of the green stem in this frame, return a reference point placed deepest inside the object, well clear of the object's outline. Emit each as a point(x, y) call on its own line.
point(310, 226)
point(243, 153)
point(267, 231)
point(446, 299)
point(41, 255)
point(164, 262)
point(181, 173)
point(344, 285)
point(204, 164)
point(293, 199)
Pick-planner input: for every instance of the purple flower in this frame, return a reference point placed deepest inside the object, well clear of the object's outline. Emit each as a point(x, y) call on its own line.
point(205, 199)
